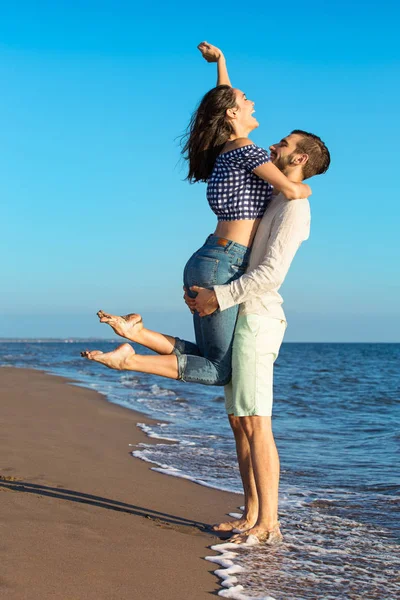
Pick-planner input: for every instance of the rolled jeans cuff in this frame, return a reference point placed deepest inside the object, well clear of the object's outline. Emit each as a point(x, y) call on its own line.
point(179, 347)
point(182, 362)
point(179, 350)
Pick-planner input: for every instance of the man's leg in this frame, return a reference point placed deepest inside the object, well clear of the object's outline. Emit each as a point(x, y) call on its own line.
point(256, 346)
point(250, 514)
point(265, 464)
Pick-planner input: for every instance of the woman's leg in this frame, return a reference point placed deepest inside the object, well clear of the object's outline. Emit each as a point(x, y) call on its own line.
point(124, 358)
point(209, 362)
point(212, 370)
point(131, 327)
point(214, 264)
point(215, 332)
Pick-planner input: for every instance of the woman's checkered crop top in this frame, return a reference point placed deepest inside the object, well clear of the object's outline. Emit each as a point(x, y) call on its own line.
point(233, 191)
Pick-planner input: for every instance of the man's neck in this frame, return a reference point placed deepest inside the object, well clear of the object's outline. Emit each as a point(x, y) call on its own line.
point(294, 174)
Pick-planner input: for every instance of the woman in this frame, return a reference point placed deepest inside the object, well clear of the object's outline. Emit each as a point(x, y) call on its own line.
point(239, 178)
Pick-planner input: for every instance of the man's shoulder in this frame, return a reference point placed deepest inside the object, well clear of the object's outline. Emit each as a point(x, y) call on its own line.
point(298, 209)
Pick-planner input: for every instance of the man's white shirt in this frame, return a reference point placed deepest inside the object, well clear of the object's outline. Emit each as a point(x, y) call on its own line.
point(284, 226)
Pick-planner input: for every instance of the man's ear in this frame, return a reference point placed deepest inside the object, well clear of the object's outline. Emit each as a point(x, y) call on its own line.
point(231, 112)
point(300, 159)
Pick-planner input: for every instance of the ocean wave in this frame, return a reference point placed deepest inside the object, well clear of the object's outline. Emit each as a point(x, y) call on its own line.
point(328, 558)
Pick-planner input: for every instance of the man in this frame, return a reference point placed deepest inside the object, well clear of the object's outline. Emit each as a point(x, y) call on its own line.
point(259, 333)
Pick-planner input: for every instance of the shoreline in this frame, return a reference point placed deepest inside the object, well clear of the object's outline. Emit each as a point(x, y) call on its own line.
point(84, 519)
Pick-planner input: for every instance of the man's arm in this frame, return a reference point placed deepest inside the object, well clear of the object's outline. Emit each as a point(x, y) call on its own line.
point(288, 231)
point(213, 54)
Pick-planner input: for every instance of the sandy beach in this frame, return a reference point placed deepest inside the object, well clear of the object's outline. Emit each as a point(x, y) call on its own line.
point(81, 518)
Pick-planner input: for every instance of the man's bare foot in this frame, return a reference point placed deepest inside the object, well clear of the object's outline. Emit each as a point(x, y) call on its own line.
point(243, 524)
point(259, 534)
point(117, 359)
point(128, 326)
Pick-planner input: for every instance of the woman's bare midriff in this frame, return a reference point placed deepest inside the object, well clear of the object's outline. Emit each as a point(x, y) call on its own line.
point(241, 232)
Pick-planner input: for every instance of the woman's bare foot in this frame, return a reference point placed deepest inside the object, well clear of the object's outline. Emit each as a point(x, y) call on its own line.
point(259, 534)
point(128, 326)
point(117, 359)
point(243, 524)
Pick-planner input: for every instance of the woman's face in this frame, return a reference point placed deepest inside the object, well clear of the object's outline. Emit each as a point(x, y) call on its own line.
point(244, 112)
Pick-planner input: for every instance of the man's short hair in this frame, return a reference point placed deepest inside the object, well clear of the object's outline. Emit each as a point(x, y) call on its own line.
point(319, 158)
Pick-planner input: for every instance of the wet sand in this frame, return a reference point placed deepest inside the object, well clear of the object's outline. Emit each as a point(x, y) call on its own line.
point(81, 519)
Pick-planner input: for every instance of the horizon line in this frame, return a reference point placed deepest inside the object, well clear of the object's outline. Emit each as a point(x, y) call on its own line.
point(101, 339)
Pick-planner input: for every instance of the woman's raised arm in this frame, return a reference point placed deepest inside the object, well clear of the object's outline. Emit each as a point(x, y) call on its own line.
point(213, 54)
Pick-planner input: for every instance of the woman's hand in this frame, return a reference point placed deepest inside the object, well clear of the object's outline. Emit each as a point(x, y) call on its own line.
point(205, 302)
point(303, 191)
point(212, 54)
point(209, 52)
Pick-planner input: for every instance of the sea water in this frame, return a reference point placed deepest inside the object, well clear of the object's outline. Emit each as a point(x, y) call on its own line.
point(336, 423)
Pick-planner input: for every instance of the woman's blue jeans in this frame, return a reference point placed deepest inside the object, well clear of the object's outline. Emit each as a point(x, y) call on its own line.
point(208, 361)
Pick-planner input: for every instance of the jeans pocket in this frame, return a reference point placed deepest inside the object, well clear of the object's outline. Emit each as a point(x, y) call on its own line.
point(202, 271)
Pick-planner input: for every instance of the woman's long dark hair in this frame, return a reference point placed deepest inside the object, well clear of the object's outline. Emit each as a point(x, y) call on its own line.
point(207, 132)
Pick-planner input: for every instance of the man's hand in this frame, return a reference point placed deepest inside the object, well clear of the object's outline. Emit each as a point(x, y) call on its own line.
point(205, 302)
point(209, 52)
point(190, 302)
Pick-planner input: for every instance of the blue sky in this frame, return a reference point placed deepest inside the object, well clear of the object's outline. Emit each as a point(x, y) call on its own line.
point(95, 209)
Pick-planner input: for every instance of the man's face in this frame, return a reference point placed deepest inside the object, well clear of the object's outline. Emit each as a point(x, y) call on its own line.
point(283, 152)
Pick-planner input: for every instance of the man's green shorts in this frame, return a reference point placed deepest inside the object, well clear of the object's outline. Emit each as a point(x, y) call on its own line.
point(256, 345)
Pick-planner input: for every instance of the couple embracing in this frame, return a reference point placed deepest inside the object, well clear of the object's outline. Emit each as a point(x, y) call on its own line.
point(232, 282)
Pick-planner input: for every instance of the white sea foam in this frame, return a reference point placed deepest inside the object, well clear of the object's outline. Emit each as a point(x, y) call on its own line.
point(158, 391)
point(323, 556)
point(236, 594)
point(168, 470)
point(177, 473)
point(229, 571)
point(151, 434)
